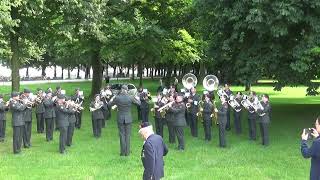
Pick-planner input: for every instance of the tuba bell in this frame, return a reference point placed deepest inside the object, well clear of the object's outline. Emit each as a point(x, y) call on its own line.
point(210, 82)
point(189, 81)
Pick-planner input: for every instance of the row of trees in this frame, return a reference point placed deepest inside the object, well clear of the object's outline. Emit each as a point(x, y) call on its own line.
point(242, 40)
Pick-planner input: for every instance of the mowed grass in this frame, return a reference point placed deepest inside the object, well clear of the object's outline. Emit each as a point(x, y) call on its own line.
point(91, 158)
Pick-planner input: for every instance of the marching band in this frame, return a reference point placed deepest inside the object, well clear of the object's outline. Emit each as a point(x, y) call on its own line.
point(174, 109)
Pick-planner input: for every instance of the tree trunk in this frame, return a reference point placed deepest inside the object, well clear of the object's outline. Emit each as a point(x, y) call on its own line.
point(87, 73)
point(128, 72)
point(55, 72)
point(114, 71)
point(140, 69)
point(15, 60)
point(248, 86)
point(151, 72)
point(97, 72)
point(43, 70)
point(78, 73)
point(202, 71)
point(132, 75)
point(27, 73)
point(69, 73)
point(61, 72)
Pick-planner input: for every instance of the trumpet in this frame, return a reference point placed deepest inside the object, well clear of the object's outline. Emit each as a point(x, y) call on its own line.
point(165, 107)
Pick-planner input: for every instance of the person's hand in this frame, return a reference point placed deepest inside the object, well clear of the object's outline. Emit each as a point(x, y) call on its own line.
point(304, 135)
point(314, 133)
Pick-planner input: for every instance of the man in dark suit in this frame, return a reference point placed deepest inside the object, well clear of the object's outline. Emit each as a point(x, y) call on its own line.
point(228, 93)
point(252, 116)
point(17, 109)
point(96, 108)
point(265, 119)
point(208, 109)
point(124, 102)
point(49, 115)
point(152, 153)
point(40, 111)
point(158, 119)
point(314, 151)
point(178, 109)
point(169, 117)
point(72, 121)
point(78, 98)
point(3, 109)
point(144, 105)
point(27, 119)
point(62, 116)
point(222, 120)
point(194, 100)
point(237, 113)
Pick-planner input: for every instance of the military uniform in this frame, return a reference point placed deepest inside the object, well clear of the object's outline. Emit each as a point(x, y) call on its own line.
point(49, 115)
point(3, 109)
point(124, 118)
point(62, 116)
point(252, 124)
point(169, 117)
point(72, 122)
point(222, 119)
point(79, 100)
point(27, 127)
point(40, 117)
point(264, 121)
point(106, 111)
point(158, 119)
point(194, 109)
point(179, 122)
point(144, 107)
point(18, 123)
point(208, 108)
point(237, 117)
point(97, 118)
point(228, 124)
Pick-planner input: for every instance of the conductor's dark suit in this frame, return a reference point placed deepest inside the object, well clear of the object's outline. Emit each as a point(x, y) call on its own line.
point(124, 118)
point(152, 157)
point(179, 122)
point(314, 153)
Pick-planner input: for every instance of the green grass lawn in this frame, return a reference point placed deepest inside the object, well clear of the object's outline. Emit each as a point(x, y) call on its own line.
point(91, 158)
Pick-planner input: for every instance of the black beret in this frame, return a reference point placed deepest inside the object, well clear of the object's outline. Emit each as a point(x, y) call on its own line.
point(61, 96)
point(26, 91)
point(144, 124)
point(39, 89)
point(58, 87)
point(14, 94)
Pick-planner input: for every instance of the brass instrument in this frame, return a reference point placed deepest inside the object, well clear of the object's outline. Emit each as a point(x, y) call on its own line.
point(165, 107)
point(234, 103)
point(97, 105)
point(189, 81)
point(255, 105)
point(221, 92)
point(211, 83)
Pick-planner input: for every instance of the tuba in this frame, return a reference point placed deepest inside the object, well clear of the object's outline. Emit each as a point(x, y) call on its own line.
point(210, 82)
point(189, 81)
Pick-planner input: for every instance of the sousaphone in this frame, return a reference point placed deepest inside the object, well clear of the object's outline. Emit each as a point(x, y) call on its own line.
point(189, 81)
point(210, 82)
